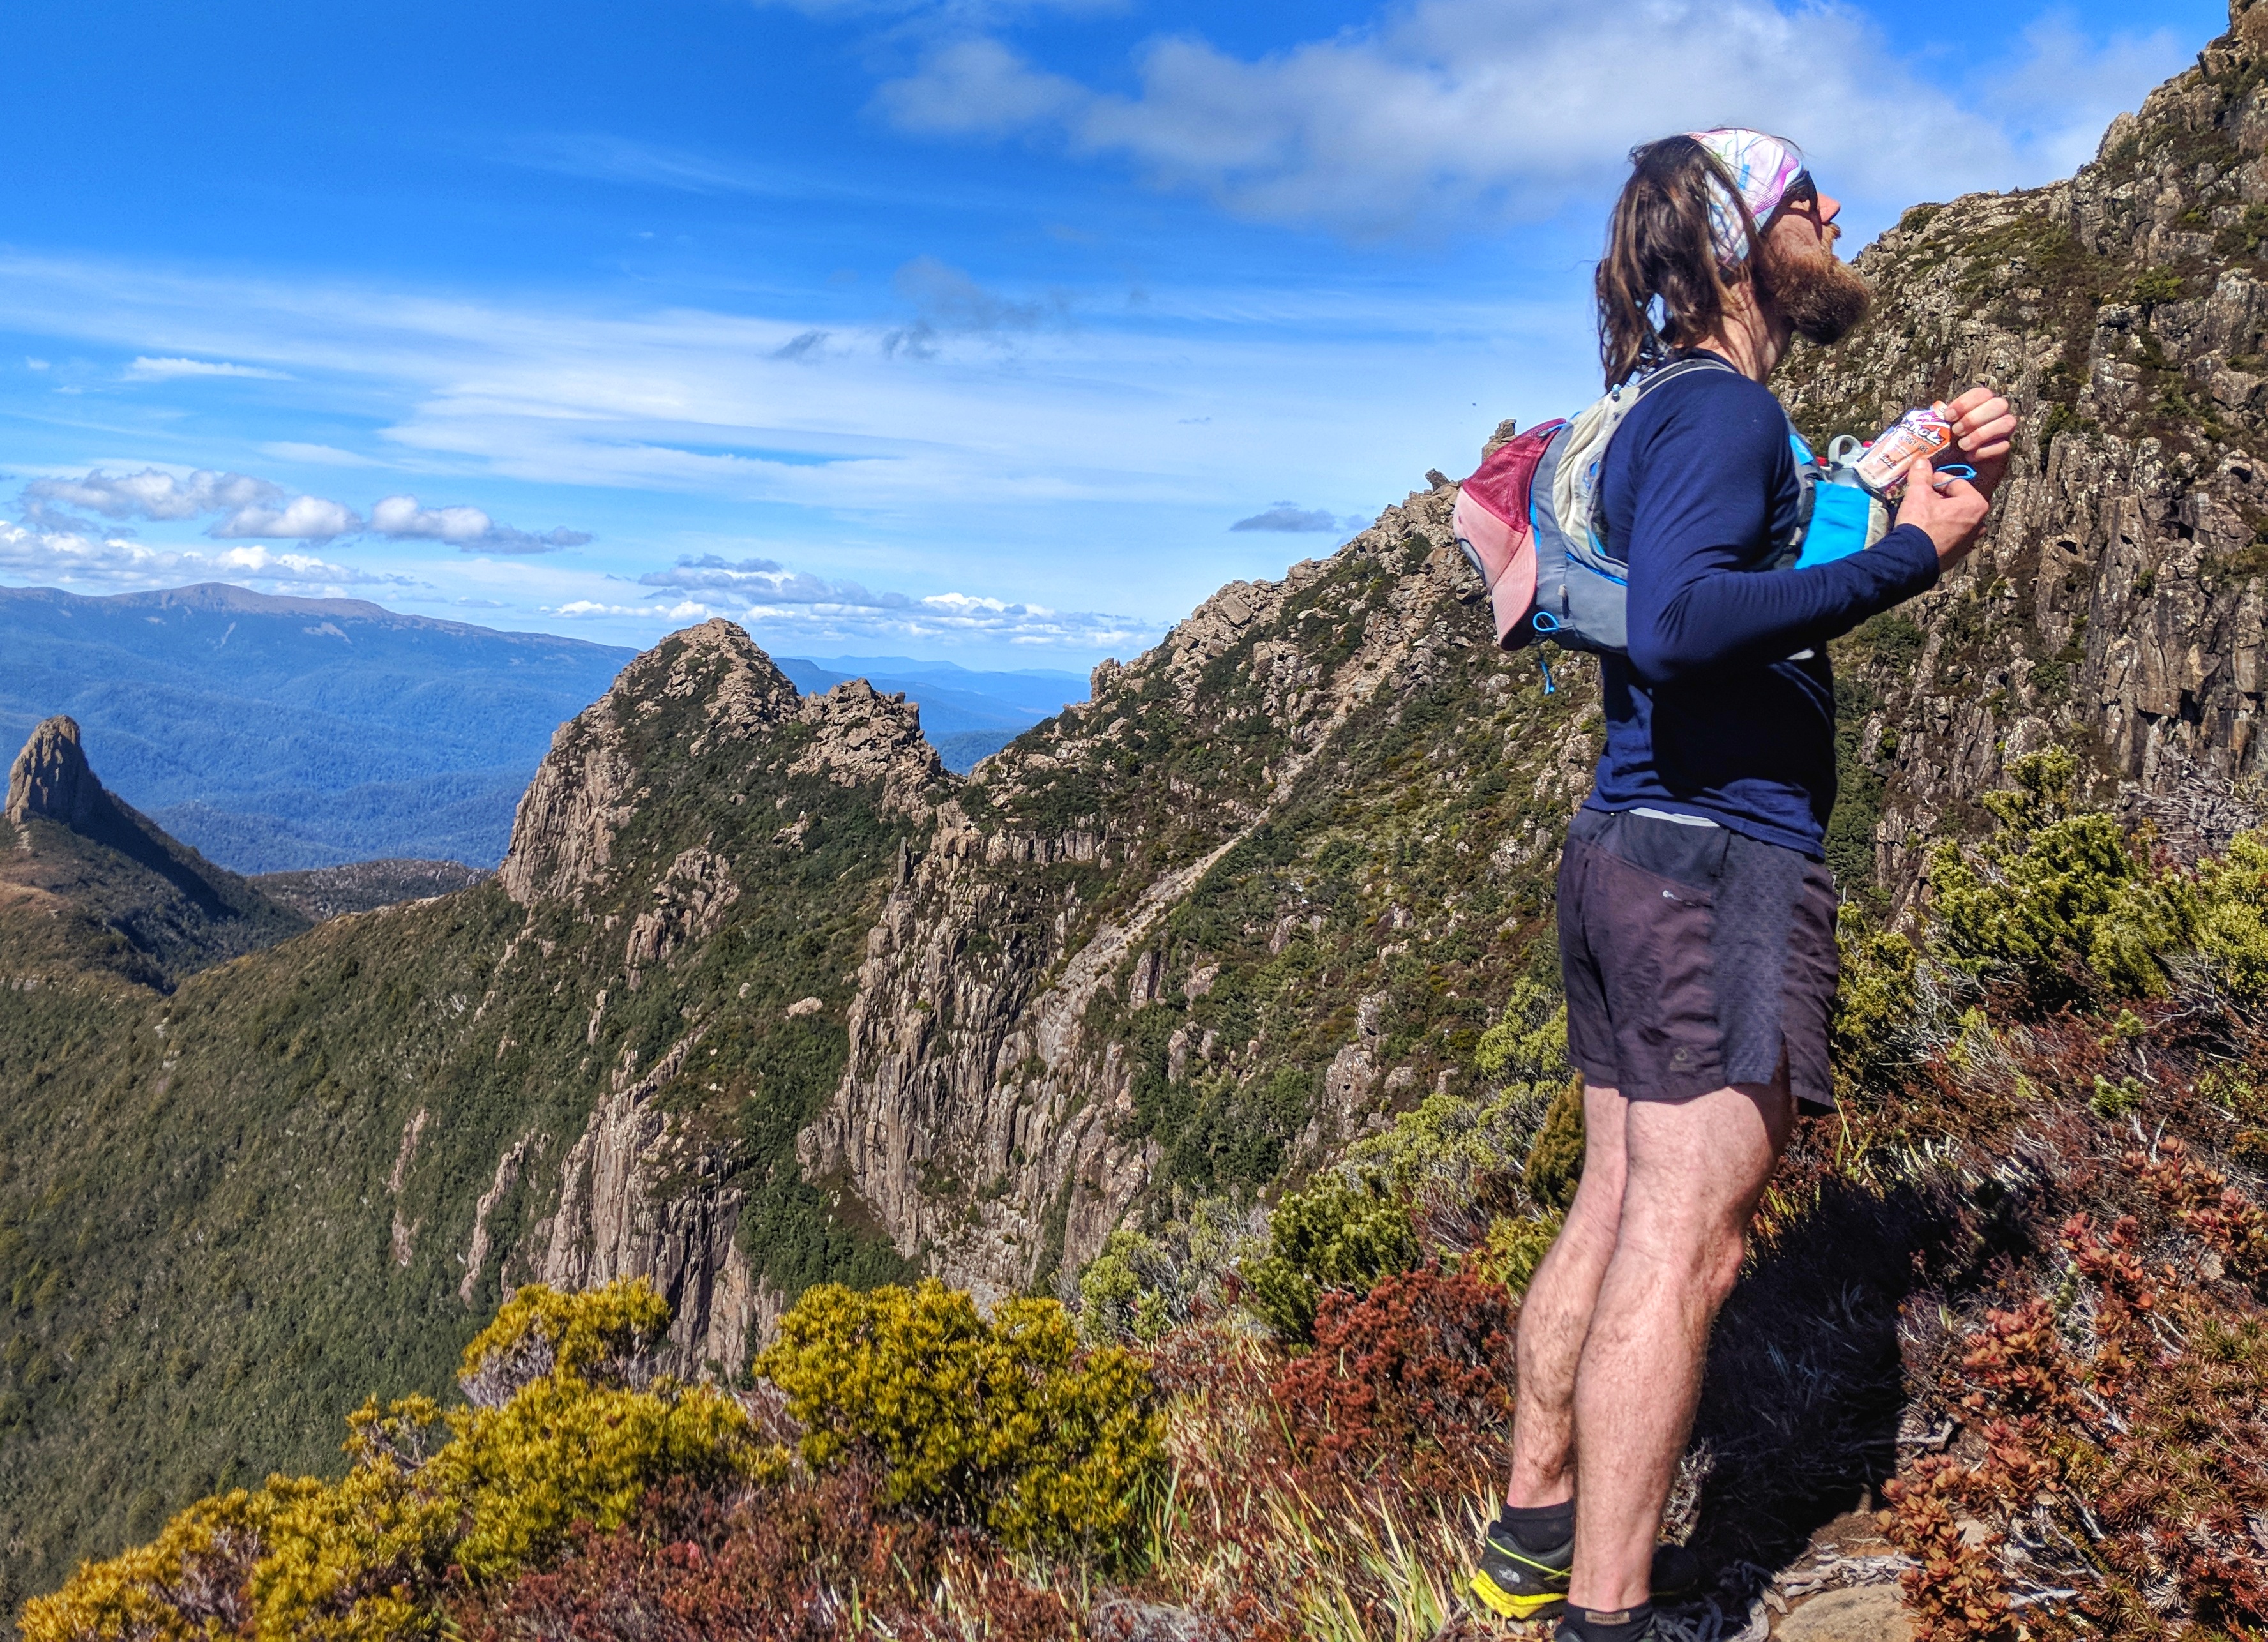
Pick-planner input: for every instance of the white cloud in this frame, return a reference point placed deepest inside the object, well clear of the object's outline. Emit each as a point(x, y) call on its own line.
point(761, 580)
point(1446, 108)
point(468, 528)
point(303, 518)
point(979, 87)
point(760, 593)
point(31, 552)
point(949, 299)
point(152, 493)
point(260, 507)
point(149, 369)
point(256, 507)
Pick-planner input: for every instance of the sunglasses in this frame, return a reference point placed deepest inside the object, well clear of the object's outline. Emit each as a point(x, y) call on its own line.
point(1802, 194)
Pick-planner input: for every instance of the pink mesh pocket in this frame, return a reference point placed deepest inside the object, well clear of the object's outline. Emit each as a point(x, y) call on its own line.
point(1504, 554)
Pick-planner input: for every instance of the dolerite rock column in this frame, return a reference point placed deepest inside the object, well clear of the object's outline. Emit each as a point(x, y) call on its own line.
point(50, 779)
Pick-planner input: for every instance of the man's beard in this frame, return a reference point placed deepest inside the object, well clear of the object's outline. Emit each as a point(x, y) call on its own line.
point(1820, 296)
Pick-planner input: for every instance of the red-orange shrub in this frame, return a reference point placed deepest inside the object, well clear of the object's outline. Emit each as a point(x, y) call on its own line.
point(1413, 1379)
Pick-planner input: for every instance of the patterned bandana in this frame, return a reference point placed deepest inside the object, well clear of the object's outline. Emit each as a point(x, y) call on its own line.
point(1762, 167)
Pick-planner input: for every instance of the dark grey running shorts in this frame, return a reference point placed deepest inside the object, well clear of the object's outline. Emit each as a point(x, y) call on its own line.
point(1693, 956)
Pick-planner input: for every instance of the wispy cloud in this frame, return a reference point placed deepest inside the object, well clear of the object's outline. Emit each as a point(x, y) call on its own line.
point(467, 528)
point(1289, 516)
point(604, 158)
point(762, 592)
point(1410, 122)
point(317, 455)
point(150, 370)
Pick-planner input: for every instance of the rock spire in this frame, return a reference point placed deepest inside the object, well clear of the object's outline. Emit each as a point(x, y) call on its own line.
point(50, 780)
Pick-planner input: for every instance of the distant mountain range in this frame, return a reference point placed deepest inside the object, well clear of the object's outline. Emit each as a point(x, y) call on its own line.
point(276, 733)
point(966, 715)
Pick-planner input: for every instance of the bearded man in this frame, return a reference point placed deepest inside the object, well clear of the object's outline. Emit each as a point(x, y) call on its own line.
point(1696, 914)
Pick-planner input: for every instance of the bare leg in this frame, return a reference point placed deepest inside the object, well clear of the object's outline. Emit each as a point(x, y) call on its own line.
point(1557, 1313)
point(1694, 1173)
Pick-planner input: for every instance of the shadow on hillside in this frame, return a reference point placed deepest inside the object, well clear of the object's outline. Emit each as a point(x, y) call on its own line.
point(1805, 1388)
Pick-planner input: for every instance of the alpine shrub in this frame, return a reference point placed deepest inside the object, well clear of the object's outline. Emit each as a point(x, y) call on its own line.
point(812, 1560)
point(1529, 1042)
point(2232, 931)
point(1335, 1235)
point(1555, 1157)
point(2056, 902)
point(486, 1490)
point(1141, 1286)
point(1514, 1247)
point(1414, 1379)
point(1005, 1425)
point(1875, 1000)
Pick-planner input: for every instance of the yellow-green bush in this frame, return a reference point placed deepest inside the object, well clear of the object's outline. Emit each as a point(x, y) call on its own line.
point(1337, 1234)
point(489, 1490)
point(1005, 1424)
point(2232, 925)
point(1529, 1042)
point(2059, 901)
point(2064, 904)
point(188, 1583)
point(1874, 1000)
point(1515, 1246)
point(1554, 1165)
point(1144, 1284)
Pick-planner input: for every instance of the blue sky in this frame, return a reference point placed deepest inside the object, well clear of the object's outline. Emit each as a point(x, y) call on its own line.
point(964, 328)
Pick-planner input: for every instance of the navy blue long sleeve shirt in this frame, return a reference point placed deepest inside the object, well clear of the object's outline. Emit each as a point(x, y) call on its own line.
point(1726, 707)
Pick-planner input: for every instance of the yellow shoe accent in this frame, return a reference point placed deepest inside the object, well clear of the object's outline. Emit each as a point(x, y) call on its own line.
point(1510, 1607)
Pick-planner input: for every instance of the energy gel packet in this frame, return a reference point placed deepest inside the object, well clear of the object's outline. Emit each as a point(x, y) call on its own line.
point(1881, 469)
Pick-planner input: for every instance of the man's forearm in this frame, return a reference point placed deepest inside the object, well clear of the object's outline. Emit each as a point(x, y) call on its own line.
point(1726, 619)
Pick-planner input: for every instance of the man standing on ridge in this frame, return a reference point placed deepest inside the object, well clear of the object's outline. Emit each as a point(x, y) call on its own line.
point(1696, 914)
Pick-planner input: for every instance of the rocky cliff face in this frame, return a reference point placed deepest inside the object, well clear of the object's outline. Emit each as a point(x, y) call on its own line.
point(652, 1187)
point(1051, 1015)
point(2116, 605)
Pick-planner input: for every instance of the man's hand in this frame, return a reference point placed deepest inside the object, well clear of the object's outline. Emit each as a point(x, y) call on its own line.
point(1982, 426)
point(1952, 511)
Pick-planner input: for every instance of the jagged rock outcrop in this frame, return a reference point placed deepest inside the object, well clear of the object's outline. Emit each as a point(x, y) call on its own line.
point(50, 780)
point(1005, 1069)
point(2117, 607)
point(107, 887)
point(645, 1190)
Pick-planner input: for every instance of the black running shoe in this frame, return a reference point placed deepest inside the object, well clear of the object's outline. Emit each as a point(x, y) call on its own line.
point(1517, 1583)
point(1566, 1633)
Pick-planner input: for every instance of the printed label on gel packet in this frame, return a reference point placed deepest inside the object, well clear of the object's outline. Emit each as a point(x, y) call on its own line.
point(1883, 468)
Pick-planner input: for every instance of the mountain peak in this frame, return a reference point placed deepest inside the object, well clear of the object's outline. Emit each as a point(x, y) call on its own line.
point(700, 694)
point(51, 781)
point(122, 895)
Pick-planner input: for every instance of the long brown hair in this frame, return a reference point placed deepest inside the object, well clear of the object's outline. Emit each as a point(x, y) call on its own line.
point(1658, 248)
